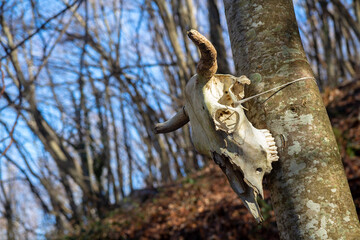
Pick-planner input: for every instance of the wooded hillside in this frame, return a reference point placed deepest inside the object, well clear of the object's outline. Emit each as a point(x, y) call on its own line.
point(203, 205)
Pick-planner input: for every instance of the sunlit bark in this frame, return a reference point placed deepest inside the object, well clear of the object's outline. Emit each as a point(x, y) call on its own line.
point(309, 190)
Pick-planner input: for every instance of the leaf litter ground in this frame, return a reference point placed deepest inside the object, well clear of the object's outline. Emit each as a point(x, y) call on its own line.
point(203, 206)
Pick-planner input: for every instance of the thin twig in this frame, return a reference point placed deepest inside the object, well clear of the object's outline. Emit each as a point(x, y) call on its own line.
point(17, 116)
point(10, 50)
point(2, 80)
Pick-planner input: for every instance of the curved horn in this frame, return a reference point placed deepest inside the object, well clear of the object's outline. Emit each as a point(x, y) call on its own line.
point(207, 66)
point(180, 119)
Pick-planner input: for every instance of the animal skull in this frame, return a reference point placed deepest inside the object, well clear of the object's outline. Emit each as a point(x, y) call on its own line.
point(220, 128)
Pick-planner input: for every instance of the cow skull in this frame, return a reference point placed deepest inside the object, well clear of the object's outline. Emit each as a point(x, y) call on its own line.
point(220, 128)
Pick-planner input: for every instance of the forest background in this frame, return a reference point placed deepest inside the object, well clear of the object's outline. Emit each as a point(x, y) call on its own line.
point(84, 82)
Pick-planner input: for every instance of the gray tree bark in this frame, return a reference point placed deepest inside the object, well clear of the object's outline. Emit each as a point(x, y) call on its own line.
point(309, 190)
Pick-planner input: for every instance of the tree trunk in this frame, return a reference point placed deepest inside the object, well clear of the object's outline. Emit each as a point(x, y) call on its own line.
point(309, 190)
point(216, 37)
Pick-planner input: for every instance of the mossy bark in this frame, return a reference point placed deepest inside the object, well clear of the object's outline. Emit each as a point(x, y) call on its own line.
point(309, 190)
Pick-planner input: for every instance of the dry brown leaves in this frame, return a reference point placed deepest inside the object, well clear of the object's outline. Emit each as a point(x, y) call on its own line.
point(203, 206)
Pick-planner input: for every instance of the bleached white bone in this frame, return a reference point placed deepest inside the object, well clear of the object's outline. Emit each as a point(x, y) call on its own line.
point(221, 130)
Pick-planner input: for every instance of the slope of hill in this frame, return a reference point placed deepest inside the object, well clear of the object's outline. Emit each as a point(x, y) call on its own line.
point(203, 206)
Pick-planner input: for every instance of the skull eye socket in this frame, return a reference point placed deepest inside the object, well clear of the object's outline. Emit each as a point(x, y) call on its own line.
point(226, 120)
point(238, 90)
point(259, 170)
